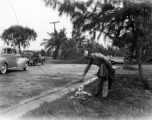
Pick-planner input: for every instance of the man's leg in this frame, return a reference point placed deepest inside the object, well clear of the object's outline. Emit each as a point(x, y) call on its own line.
point(105, 88)
point(110, 82)
point(102, 87)
point(99, 87)
point(111, 79)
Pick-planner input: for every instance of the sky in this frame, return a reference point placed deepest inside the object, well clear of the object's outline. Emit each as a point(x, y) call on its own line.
point(33, 14)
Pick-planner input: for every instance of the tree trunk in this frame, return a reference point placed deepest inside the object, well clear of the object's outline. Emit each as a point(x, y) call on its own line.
point(55, 55)
point(144, 81)
point(19, 46)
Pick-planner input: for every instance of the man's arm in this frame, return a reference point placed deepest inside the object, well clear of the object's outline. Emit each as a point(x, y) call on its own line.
point(103, 57)
point(86, 70)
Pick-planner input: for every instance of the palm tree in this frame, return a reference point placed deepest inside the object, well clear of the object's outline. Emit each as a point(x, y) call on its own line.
point(68, 48)
point(132, 22)
point(56, 40)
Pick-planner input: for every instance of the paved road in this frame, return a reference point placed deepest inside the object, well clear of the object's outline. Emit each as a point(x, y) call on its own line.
point(17, 85)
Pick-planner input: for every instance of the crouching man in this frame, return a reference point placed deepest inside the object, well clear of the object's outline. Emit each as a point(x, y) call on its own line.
point(105, 73)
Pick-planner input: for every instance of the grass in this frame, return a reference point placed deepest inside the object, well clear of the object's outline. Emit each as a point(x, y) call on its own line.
point(129, 67)
point(127, 100)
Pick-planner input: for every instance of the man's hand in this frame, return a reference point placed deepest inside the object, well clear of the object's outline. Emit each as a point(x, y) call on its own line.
point(82, 78)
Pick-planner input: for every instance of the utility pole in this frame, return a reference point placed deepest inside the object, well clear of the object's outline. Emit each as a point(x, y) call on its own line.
point(54, 24)
point(55, 57)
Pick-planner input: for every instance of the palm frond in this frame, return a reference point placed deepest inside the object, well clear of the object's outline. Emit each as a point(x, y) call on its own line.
point(52, 3)
point(66, 8)
point(89, 3)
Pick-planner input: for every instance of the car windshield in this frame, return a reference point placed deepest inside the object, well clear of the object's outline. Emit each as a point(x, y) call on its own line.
point(4, 51)
point(9, 51)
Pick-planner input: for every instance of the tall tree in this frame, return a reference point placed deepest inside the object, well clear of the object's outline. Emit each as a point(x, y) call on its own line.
point(128, 25)
point(18, 36)
point(56, 40)
point(78, 37)
point(43, 53)
point(69, 49)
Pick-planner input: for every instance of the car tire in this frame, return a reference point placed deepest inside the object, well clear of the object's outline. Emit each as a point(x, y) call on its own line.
point(26, 67)
point(3, 69)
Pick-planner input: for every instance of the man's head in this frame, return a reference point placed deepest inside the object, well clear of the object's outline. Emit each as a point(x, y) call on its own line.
point(87, 54)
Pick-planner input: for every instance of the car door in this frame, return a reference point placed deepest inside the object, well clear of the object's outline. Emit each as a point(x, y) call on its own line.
point(11, 58)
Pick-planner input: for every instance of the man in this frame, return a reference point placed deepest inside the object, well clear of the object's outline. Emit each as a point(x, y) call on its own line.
point(105, 73)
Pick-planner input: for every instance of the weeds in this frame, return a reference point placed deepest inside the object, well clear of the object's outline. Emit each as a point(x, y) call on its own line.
point(127, 99)
point(129, 67)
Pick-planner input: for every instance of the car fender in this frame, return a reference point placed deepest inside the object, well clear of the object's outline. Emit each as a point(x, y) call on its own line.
point(2, 61)
point(21, 62)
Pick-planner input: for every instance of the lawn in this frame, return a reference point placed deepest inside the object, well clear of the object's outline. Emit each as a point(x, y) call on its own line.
point(127, 100)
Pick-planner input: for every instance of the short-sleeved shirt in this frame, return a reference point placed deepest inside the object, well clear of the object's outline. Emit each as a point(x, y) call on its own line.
point(98, 59)
point(105, 68)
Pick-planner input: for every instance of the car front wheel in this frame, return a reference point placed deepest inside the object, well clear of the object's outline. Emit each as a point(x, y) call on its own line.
point(3, 69)
point(42, 62)
point(26, 67)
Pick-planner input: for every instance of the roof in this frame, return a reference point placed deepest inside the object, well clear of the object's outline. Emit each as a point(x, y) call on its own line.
point(4, 46)
point(30, 51)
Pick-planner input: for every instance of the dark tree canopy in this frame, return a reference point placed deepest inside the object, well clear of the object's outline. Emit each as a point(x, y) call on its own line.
point(104, 17)
point(128, 26)
point(19, 36)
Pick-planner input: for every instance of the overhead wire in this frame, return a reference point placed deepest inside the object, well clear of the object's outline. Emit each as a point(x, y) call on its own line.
point(14, 11)
point(51, 79)
point(27, 12)
point(39, 17)
point(67, 86)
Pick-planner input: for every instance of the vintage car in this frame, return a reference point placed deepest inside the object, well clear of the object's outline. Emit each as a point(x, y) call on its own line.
point(116, 60)
point(9, 59)
point(128, 59)
point(34, 57)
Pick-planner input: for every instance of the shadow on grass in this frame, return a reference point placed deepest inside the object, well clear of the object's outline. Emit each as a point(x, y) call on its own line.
point(127, 99)
point(129, 67)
